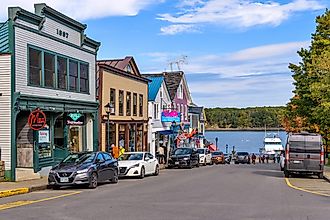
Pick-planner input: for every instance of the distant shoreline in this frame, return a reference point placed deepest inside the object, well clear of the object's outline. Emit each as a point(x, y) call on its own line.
point(244, 129)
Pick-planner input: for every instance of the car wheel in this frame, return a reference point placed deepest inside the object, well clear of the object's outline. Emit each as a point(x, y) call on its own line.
point(93, 181)
point(156, 170)
point(320, 175)
point(142, 173)
point(286, 174)
point(204, 164)
point(236, 162)
point(55, 187)
point(282, 169)
point(114, 179)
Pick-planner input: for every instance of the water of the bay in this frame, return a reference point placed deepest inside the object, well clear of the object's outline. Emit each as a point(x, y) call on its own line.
point(250, 141)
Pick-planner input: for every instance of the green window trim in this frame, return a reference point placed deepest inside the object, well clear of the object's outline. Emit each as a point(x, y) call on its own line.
point(56, 55)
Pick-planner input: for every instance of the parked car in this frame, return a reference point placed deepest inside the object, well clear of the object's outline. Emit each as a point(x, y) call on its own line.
point(304, 154)
point(138, 164)
point(88, 168)
point(205, 156)
point(218, 157)
point(242, 157)
point(184, 157)
point(227, 158)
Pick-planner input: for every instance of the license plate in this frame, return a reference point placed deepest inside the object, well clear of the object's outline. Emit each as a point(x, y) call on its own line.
point(296, 161)
point(64, 179)
point(176, 163)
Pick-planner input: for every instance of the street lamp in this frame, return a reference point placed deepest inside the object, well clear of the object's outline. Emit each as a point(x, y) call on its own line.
point(226, 148)
point(110, 110)
point(216, 142)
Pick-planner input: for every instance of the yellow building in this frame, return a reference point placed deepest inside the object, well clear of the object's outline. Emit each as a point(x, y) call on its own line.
point(121, 85)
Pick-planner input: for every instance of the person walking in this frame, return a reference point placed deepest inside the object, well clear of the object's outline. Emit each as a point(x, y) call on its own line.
point(267, 158)
point(254, 158)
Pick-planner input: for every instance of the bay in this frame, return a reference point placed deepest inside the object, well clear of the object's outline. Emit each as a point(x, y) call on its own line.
point(249, 141)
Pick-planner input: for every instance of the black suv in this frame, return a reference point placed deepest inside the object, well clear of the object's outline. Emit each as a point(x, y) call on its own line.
point(184, 157)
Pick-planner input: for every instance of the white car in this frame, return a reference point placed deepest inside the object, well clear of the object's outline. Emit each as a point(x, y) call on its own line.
point(205, 156)
point(138, 164)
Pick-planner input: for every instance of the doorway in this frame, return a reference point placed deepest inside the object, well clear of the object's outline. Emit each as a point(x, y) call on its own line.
point(75, 139)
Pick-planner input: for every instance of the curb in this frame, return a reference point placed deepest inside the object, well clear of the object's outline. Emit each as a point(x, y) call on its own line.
point(327, 178)
point(19, 191)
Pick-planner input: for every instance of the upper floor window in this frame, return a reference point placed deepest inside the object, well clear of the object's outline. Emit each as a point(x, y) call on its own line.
point(51, 70)
point(121, 102)
point(128, 103)
point(156, 111)
point(129, 68)
point(180, 92)
point(141, 105)
point(113, 98)
point(134, 104)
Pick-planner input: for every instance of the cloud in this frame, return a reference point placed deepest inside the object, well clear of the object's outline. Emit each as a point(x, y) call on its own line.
point(178, 28)
point(83, 9)
point(238, 13)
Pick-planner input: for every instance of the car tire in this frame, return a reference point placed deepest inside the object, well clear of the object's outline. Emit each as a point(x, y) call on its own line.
point(204, 164)
point(282, 169)
point(236, 162)
point(93, 181)
point(55, 187)
point(156, 173)
point(320, 175)
point(142, 173)
point(286, 174)
point(114, 179)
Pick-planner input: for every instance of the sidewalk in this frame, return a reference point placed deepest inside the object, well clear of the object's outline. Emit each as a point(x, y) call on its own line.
point(15, 188)
point(327, 173)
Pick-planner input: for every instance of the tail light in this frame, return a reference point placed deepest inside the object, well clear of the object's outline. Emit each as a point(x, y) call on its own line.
point(322, 156)
point(287, 155)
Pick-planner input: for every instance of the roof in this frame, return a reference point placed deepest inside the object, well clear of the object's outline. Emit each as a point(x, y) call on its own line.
point(195, 110)
point(173, 80)
point(4, 38)
point(154, 85)
point(121, 64)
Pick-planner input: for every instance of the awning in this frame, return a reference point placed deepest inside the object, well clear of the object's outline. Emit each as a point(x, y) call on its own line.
point(166, 132)
point(212, 147)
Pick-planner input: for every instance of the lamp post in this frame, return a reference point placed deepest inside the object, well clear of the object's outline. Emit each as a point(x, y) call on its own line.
point(109, 109)
point(226, 148)
point(216, 142)
point(173, 126)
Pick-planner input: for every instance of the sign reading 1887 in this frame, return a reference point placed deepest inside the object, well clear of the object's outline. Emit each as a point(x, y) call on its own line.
point(62, 33)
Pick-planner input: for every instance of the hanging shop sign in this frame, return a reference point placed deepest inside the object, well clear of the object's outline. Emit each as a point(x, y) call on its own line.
point(75, 119)
point(171, 116)
point(37, 120)
point(43, 136)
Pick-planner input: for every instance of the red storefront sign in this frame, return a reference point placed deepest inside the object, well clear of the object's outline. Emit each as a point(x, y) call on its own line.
point(37, 120)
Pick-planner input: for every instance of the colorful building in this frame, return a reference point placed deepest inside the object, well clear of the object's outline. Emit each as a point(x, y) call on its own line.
point(47, 86)
point(121, 86)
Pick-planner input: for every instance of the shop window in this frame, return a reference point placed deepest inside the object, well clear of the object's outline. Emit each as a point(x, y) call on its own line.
point(139, 138)
point(128, 103)
point(113, 98)
point(35, 67)
point(121, 102)
point(141, 105)
point(156, 111)
point(49, 65)
point(73, 75)
point(135, 104)
point(84, 82)
point(121, 135)
point(132, 133)
point(61, 72)
point(111, 133)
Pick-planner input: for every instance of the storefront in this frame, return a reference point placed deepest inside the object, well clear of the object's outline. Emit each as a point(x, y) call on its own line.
point(51, 83)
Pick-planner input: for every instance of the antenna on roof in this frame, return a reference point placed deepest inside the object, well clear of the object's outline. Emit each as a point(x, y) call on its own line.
point(179, 62)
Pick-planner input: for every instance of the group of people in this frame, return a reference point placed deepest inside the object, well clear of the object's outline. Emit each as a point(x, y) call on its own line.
point(116, 151)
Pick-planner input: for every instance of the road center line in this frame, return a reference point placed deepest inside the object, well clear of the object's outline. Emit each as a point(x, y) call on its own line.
point(304, 190)
point(27, 202)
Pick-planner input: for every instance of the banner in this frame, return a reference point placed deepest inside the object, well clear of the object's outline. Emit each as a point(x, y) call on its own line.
point(171, 116)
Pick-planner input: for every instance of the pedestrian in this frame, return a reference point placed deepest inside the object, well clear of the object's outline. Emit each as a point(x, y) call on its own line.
point(115, 152)
point(267, 158)
point(259, 158)
point(161, 154)
point(274, 159)
point(263, 158)
point(254, 158)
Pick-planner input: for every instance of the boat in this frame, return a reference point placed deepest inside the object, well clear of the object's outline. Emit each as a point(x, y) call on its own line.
point(272, 144)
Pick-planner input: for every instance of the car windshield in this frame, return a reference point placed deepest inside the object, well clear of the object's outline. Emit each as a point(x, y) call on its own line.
point(201, 151)
point(181, 151)
point(242, 153)
point(132, 156)
point(216, 153)
point(79, 158)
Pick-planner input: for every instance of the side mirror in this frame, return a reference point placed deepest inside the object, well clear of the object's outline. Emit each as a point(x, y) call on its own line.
point(97, 160)
point(147, 159)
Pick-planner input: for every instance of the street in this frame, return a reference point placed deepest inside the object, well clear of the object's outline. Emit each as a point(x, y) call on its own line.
point(212, 192)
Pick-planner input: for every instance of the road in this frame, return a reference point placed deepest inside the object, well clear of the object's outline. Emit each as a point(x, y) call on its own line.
point(213, 192)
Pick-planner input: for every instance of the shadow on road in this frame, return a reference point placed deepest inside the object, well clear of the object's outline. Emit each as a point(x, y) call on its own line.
point(271, 173)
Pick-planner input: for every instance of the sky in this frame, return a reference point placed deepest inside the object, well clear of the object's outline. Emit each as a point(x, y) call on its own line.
point(235, 53)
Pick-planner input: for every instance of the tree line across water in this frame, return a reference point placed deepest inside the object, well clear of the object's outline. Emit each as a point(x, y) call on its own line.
point(244, 118)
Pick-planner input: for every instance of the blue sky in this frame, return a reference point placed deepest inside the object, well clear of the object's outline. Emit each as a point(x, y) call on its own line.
point(236, 52)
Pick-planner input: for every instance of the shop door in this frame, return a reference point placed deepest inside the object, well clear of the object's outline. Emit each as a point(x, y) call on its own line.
point(43, 152)
point(75, 139)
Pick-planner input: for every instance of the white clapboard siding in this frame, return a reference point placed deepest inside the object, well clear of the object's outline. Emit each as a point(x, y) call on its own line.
point(23, 38)
point(50, 27)
point(5, 109)
point(25, 23)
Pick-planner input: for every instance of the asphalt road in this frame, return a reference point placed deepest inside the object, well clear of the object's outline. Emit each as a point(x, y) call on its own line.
point(213, 192)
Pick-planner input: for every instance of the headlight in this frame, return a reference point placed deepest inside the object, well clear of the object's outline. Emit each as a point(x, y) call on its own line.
point(82, 171)
point(135, 165)
point(186, 158)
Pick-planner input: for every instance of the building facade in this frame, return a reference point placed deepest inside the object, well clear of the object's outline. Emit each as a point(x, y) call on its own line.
point(159, 101)
point(48, 104)
point(197, 122)
point(121, 85)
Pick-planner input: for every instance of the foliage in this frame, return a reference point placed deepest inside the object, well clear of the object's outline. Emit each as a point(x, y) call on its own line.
point(257, 117)
point(309, 108)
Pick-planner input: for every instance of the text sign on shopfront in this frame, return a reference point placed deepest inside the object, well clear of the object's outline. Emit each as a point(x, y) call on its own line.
point(171, 116)
point(37, 120)
point(75, 119)
point(43, 136)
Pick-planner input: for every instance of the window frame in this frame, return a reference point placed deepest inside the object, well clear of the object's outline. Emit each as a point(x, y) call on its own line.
point(121, 104)
point(113, 102)
point(135, 101)
point(141, 105)
point(128, 103)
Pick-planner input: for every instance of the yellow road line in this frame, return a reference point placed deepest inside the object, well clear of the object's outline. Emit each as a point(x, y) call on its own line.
point(27, 202)
point(304, 190)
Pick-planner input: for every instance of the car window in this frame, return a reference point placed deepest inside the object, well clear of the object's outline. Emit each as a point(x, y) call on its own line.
point(200, 151)
point(79, 158)
point(132, 156)
point(100, 158)
point(107, 156)
point(150, 156)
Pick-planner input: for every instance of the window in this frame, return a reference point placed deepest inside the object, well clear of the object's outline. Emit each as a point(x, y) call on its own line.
point(100, 158)
point(121, 102)
point(182, 112)
point(129, 68)
point(107, 156)
point(134, 104)
point(84, 83)
point(180, 92)
point(128, 104)
point(49, 66)
point(156, 111)
point(73, 75)
point(35, 67)
point(113, 98)
point(61, 73)
point(141, 105)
